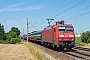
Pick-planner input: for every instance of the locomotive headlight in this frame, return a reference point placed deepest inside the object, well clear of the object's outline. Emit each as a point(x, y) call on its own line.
point(60, 39)
point(71, 35)
point(72, 39)
point(61, 35)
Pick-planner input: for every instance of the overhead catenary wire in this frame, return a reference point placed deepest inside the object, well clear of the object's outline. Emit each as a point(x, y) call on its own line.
point(69, 8)
point(33, 24)
point(80, 10)
point(73, 13)
point(58, 6)
point(80, 14)
point(51, 11)
point(58, 9)
point(62, 8)
point(40, 24)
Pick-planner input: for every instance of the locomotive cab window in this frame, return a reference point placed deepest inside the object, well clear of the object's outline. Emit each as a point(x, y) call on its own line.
point(61, 28)
point(69, 29)
point(66, 28)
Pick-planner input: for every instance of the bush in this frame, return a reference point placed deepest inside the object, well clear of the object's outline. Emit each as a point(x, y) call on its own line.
point(85, 37)
point(15, 40)
point(3, 42)
point(13, 36)
point(10, 37)
point(12, 41)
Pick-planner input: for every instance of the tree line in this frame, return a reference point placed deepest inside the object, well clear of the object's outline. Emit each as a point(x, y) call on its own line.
point(11, 37)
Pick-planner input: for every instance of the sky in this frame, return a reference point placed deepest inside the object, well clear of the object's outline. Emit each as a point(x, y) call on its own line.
point(13, 13)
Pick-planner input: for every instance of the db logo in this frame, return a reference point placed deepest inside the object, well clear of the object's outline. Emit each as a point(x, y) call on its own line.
point(66, 35)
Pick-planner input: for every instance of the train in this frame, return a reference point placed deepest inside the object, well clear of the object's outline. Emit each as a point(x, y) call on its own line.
point(59, 35)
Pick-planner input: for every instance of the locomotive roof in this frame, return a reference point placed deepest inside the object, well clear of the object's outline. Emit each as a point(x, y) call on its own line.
point(65, 25)
point(62, 23)
point(51, 26)
point(48, 27)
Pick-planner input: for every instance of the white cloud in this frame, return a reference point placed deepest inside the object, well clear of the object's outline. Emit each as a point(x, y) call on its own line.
point(27, 8)
point(15, 8)
point(33, 8)
point(9, 8)
point(15, 5)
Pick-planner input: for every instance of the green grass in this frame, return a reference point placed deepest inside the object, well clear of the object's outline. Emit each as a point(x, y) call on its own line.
point(35, 51)
point(78, 40)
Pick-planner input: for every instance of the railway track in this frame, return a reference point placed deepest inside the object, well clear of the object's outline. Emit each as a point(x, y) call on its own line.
point(80, 53)
point(77, 53)
point(80, 48)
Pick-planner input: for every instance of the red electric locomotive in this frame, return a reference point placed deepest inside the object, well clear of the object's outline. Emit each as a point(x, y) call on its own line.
point(59, 35)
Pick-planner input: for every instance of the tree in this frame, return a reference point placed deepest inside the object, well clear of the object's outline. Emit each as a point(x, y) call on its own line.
point(13, 35)
point(16, 30)
point(85, 37)
point(2, 33)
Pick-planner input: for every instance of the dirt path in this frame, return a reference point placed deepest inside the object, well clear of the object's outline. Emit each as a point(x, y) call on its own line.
point(15, 52)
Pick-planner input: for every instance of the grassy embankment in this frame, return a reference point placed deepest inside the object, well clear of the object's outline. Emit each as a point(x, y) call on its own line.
point(35, 51)
point(78, 42)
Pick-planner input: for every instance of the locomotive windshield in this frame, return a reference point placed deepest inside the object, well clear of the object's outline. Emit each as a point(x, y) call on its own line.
point(65, 28)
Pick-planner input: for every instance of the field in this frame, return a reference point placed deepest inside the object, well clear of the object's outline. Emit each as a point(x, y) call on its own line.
point(15, 52)
point(78, 40)
point(24, 51)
